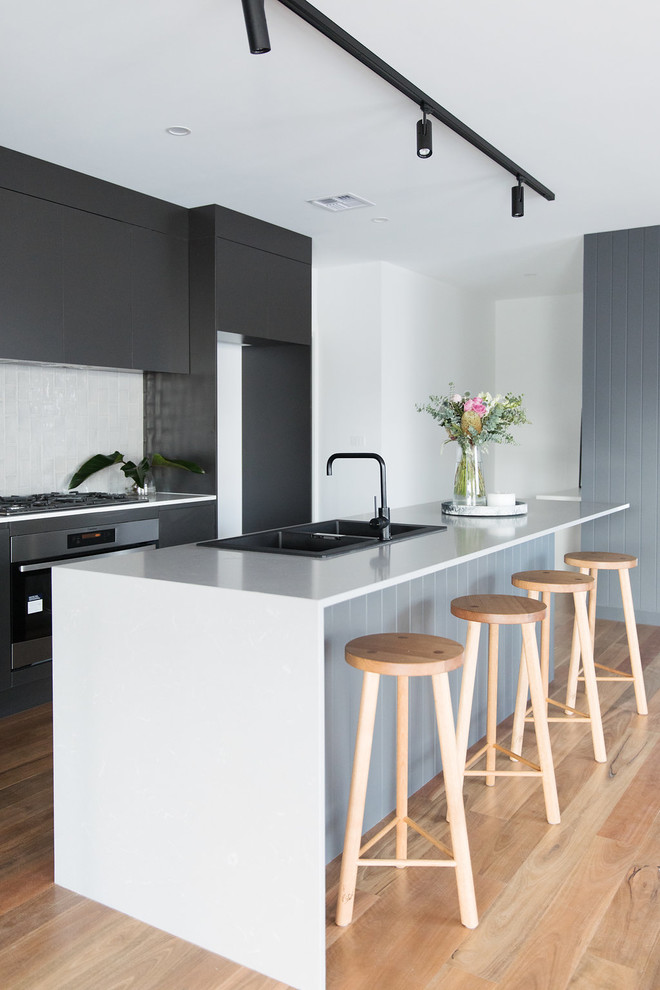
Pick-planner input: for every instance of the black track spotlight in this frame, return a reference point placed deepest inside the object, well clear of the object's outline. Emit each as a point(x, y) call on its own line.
point(518, 199)
point(424, 136)
point(257, 28)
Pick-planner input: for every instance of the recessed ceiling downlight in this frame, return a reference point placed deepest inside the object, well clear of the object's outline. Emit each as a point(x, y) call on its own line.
point(178, 131)
point(337, 204)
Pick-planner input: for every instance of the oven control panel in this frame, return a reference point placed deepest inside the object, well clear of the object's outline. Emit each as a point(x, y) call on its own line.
point(91, 538)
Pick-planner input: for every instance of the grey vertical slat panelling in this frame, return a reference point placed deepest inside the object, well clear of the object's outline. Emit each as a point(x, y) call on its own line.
point(590, 282)
point(616, 529)
point(603, 357)
point(621, 408)
point(627, 461)
point(421, 605)
point(648, 532)
point(610, 393)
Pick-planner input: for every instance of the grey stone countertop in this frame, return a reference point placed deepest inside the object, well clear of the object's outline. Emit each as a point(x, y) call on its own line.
point(160, 500)
point(347, 576)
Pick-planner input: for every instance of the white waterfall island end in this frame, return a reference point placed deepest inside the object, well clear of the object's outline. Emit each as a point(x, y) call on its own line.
point(204, 720)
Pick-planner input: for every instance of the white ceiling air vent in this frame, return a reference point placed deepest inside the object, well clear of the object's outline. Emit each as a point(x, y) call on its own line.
point(345, 201)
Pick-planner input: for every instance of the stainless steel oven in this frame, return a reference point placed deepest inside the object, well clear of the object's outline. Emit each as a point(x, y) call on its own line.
point(32, 557)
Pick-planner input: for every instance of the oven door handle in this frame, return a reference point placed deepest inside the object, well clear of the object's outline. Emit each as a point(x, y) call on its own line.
point(45, 565)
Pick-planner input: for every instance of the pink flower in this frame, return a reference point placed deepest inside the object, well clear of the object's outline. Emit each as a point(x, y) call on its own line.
point(457, 398)
point(475, 405)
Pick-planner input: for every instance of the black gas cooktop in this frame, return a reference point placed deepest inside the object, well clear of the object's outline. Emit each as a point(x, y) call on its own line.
point(16, 505)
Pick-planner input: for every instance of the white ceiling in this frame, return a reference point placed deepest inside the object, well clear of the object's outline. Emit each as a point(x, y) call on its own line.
point(566, 88)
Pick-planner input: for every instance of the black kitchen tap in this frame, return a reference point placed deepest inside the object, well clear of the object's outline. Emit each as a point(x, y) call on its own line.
point(381, 520)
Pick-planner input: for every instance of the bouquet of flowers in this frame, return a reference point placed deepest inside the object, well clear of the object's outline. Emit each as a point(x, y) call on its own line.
point(476, 421)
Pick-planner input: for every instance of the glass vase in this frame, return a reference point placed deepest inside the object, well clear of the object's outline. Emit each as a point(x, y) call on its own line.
point(149, 490)
point(469, 487)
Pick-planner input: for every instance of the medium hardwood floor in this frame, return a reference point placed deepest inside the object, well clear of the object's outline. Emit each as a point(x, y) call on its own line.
point(571, 905)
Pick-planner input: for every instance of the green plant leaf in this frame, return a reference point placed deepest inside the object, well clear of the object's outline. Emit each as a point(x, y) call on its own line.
point(157, 460)
point(94, 464)
point(137, 472)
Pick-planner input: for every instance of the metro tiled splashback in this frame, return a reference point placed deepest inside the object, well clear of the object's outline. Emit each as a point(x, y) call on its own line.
point(53, 418)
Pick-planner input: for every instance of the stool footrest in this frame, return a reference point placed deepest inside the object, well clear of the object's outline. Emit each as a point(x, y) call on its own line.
point(532, 772)
point(575, 716)
point(476, 756)
point(505, 773)
point(518, 757)
point(397, 862)
point(406, 862)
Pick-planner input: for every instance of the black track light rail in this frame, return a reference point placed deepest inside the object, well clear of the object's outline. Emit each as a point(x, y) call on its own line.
point(351, 45)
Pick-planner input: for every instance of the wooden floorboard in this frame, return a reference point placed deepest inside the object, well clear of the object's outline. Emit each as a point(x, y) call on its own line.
point(572, 905)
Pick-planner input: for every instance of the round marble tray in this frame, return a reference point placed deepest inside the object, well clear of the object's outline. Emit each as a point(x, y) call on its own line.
point(452, 509)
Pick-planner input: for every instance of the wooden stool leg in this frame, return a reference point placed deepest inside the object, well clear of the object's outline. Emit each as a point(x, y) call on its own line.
point(546, 628)
point(633, 642)
point(467, 691)
point(521, 706)
point(590, 684)
point(520, 709)
point(401, 767)
point(593, 572)
point(453, 773)
point(541, 724)
point(573, 667)
point(357, 798)
point(491, 704)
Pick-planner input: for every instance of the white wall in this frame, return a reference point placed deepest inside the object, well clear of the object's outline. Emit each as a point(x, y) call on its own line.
point(230, 439)
point(347, 378)
point(386, 338)
point(538, 348)
point(53, 418)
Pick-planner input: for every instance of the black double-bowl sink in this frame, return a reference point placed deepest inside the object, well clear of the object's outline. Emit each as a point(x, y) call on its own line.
point(320, 539)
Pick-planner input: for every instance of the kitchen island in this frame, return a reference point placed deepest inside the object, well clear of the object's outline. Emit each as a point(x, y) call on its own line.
point(204, 720)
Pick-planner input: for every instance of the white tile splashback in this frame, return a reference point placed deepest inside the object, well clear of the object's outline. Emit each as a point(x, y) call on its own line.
point(53, 418)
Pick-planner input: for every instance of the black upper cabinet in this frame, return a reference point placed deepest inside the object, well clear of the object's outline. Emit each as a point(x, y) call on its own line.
point(159, 300)
point(90, 273)
point(30, 278)
point(262, 294)
point(84, 289)
point(96, 290)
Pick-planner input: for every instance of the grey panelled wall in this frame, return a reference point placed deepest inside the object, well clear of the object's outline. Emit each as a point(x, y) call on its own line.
point(621, 406)
point(421, 605)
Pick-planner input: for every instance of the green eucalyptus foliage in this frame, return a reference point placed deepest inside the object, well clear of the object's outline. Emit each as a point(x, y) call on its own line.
point(476, 421)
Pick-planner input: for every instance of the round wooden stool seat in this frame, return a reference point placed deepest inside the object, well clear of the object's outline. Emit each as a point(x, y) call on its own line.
point(404, 654)
point(601, 560)
point(590, 563)
point(504, 610)
point(494, 611)
point(542, 585)
point(567, 582)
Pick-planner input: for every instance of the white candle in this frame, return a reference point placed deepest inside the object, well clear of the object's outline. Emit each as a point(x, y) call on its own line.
point(498, 499)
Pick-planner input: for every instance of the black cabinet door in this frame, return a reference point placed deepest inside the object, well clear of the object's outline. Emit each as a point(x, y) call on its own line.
point(261, 294)
point(186, 524)
point(290, 298)
point(30, 279)
point(159, 296)
point(5, 611)
point(96, 290)
point(241, 289)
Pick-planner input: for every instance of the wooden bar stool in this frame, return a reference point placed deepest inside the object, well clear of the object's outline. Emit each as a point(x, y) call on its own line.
point(404, 655)
point(590, 563)
point(496, 610)
point(543, 584)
